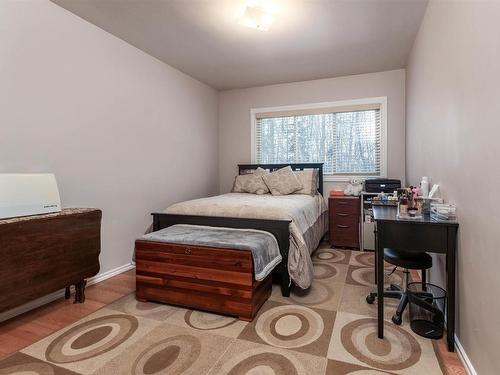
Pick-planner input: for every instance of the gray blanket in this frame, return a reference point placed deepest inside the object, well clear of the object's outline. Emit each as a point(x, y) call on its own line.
point(263, 245)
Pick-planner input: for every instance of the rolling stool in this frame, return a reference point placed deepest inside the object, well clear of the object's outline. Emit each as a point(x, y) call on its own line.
point(408, 261)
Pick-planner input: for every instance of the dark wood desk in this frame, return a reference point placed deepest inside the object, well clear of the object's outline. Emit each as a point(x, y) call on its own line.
point(416, 235)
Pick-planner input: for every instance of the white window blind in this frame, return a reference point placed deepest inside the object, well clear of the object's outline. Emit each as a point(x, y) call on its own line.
point(348, 142)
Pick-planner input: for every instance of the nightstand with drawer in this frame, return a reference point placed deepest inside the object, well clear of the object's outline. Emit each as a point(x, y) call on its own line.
point(344, 215)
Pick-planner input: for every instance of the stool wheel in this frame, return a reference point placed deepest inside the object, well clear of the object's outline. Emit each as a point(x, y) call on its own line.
point(396, 319)
point(370, 298)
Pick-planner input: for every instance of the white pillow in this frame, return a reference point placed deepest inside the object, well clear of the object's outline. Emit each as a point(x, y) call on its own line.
point(255, 184)
point(241, 180)
point(309, 180)
point(282, 182)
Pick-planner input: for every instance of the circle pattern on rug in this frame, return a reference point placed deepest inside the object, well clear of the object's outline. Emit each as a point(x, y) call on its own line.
point(262, 361)
point(318, 293)
point(366, 276)
point(289, 326)
point(91, 338)
point(172, 356)
point(34, 368)
point(329, 254)
point(399, 349)
point(135, 307)
point(366, 259)
point(324, 271)
point(206, 322)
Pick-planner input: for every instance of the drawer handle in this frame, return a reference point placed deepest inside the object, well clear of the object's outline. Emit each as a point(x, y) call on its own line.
point(343, 226)
point(342, 202)
point(187, 251)
point(341, 214)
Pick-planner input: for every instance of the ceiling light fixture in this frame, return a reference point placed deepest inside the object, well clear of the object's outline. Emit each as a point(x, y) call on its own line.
point(257, 17)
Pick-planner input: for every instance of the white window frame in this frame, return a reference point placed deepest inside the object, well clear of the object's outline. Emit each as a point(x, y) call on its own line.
point(382, 101)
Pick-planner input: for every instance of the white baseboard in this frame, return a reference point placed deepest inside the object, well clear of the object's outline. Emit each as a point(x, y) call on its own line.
point(60, 293)
point(462, 355)
point(464, 358)
point(108, 274)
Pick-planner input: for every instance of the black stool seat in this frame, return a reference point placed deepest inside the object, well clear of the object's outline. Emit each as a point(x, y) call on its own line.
point(408, 260)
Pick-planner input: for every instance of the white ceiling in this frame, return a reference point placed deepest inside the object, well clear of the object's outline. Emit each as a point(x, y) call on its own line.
point(310, 39)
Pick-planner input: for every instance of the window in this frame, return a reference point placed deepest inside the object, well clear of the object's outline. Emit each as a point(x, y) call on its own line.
point(347, 137)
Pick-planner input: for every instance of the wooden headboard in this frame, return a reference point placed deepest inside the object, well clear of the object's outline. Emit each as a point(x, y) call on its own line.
point(250, 168)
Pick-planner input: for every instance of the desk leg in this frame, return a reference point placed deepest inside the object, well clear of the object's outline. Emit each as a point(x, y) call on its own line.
point(379, 270)
point(376, 246)
point(450, 287)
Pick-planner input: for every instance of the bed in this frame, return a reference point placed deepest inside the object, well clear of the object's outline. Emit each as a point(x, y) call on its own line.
point(297, 221)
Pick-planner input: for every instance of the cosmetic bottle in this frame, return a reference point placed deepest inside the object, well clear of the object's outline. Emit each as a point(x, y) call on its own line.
point(424, 187)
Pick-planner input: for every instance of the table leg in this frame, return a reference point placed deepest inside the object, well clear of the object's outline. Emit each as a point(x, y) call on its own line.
point(80, 291)
point(379, 263)
point(376, 245)
point(450, 287)
point(83, 284)
point(77, 293)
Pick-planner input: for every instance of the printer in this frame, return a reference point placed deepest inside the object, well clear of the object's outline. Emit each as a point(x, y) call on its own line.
point(23, 194)
point(382, 185)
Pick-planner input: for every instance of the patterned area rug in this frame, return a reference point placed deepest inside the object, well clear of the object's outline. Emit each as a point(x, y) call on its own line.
point(328, 329)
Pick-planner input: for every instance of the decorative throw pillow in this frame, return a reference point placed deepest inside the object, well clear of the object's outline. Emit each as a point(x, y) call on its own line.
point(282, 182)
point(255, 184)
point(240, 180)
point(309, 180)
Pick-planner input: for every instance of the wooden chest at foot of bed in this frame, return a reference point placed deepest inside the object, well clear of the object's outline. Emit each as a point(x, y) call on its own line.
point(205, 278)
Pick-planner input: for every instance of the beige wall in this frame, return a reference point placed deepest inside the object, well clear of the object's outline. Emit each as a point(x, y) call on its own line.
point(453, 88)
point(121, 130)
point(235, 105)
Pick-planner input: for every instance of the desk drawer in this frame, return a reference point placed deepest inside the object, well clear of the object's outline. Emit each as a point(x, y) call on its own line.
point(414, 237)
point(345, 229)
point(345, 234)
point(345, 205)
point(344, 218)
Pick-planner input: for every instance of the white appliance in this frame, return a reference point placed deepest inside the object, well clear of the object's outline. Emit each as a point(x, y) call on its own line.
point(28, 194)
point(367, 235)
